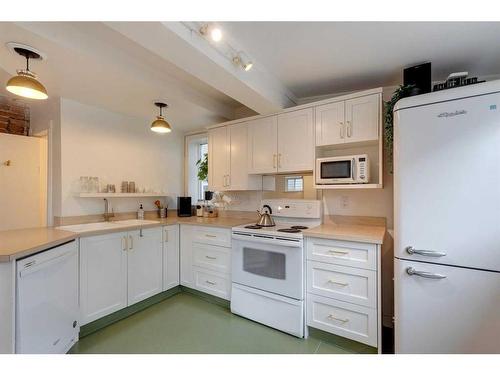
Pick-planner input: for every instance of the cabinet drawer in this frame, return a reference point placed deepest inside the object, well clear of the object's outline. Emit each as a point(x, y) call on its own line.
point(347, 284)
point(215, 283)
point(212, 236)
point(344, 319)
point(344, 253)
point(216, 258)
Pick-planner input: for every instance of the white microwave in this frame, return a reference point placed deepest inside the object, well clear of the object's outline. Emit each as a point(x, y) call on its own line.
point(353, 169)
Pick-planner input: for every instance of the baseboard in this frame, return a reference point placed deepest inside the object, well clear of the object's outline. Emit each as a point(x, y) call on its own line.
point(107, 320)
point(207, 297)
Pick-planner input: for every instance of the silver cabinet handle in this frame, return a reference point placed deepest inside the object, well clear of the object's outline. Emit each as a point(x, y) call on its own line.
point(339, 319)
point(338, 283)
point(427, 253)
point(429, 275)
point(349, 129)
point(166, 235)
point(210, 282)
point(209, 257)
point(274, 161)
point(210, 235)
point(228, 180)
point(341, 128)
point(279, 160)
point(124, 243)
point(131, 244)
point(338, 252)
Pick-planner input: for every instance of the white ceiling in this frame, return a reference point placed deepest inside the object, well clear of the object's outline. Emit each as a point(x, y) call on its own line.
point(318, 58)
point(125, 66)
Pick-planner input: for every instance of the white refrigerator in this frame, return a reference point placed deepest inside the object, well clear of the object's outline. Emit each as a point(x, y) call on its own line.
point(447, 221)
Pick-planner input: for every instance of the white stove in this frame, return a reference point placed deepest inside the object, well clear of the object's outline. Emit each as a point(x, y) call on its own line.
point(268, 266)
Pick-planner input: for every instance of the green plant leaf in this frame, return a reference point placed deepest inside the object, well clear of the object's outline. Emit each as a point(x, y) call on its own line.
point(202, 165)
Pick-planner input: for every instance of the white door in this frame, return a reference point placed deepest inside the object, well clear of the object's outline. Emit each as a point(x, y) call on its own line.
point(218, 158)
point(455, 314)
point(145, 264)
point(446, 182)
point(262, 145)
point(186, 254)
point(362, 117)
point(330, 128)
point(170, 256)
point(103, 275)
point(296, 141)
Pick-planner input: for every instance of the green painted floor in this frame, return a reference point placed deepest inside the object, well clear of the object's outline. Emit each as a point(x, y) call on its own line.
point(186, 323)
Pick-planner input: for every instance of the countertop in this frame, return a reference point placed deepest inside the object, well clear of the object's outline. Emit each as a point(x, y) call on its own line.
point(15, 244)
point(18, 243)
point(348, 232)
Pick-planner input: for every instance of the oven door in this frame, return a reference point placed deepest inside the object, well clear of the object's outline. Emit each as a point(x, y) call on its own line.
point(335, 171)
point(269, 267)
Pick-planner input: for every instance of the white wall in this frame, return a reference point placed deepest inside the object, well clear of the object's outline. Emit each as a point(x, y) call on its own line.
point(115, 147)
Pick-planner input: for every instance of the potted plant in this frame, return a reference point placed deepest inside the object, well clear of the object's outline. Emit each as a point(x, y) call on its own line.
point(401, 92)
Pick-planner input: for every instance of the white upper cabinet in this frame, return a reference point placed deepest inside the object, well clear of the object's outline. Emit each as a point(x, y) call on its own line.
point(218, 159)
point(296, 141)
point(330, 124)
point(227, 161)
point(348, 121)
point(145, 264)
point(362, 118)
point(262, 145)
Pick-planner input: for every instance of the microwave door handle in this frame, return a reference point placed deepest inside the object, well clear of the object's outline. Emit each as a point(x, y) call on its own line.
point(352, 169)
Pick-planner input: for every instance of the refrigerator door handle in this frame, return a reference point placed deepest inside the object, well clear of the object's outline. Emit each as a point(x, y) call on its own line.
point(427, 253)
point(429, 275)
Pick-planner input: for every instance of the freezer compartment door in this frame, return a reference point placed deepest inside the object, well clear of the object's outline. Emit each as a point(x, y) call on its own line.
point(443, 309)
point(447, 182)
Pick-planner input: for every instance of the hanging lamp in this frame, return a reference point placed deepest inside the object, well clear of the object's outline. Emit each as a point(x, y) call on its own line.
point(160, 125)
point(25, 83)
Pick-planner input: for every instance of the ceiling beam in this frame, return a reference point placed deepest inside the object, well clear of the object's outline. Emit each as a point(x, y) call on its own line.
point(180, 45)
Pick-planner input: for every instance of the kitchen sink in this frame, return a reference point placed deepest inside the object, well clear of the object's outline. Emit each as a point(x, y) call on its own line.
point(80, 228)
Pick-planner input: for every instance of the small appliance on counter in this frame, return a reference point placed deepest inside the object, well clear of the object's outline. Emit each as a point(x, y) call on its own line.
point(184, 206)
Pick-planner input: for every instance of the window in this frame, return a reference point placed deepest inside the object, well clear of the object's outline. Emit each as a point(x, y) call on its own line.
point(294, 184)
point(202, 185)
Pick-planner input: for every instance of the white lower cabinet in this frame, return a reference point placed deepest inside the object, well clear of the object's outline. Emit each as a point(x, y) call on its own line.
point(170, 256)
point(120, 269)
point(145, 268)
point(206, 259)
point(343, 289)
point(103, 275)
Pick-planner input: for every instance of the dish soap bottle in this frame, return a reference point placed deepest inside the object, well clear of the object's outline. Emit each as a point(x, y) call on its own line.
point(140, 213)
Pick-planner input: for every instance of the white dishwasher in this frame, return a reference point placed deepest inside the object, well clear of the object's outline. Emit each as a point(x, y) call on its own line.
point(47, 301)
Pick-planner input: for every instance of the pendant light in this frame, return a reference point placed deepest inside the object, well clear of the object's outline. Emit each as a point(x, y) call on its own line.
point(160, 125)
point(25, 83)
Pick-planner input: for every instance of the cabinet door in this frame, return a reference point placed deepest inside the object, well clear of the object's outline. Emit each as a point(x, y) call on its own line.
point(262, 145)
point(186, 254)
point(295, 141)
point(170, 256)
point(362, 118)
point(238, 178)
point(330, 129)
point(218, 158)
point(145, 265)
point(103, 275)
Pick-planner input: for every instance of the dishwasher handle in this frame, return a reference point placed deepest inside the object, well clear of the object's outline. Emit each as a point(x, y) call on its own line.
point(30, 268)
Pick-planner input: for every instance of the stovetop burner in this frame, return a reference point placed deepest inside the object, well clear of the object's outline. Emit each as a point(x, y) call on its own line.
point(253, 226)
point(298, 227)
point(289, 230)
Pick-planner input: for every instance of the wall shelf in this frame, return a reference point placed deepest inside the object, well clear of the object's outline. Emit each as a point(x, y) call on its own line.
point(121, 195)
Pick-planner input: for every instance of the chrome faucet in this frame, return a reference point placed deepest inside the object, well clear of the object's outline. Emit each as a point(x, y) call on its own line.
point(107, 215)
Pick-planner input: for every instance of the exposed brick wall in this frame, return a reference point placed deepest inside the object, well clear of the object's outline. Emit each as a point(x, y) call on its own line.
point(14, 117)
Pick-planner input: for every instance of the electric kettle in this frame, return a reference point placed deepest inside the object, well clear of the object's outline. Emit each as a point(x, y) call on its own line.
point(265, 219)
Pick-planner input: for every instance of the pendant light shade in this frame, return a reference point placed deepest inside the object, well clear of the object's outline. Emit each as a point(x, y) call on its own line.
point(160, 125)
point(25, 83)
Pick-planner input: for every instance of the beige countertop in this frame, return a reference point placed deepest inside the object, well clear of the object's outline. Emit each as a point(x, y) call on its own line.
point(348, 232)
point(18, 243)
